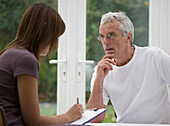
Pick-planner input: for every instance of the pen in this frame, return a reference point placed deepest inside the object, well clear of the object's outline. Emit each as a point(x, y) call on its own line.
point(95, 109)
point(77, 100)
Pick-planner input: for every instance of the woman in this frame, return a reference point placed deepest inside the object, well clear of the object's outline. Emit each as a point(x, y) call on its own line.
point(37, 35)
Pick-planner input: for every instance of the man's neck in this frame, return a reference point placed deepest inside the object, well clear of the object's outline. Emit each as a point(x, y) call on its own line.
point(124, 59)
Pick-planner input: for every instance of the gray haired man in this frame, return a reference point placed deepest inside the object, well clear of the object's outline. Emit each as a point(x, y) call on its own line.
point(135, 79)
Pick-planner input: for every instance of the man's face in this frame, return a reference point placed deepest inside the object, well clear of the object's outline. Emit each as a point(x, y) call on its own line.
point(112, 39)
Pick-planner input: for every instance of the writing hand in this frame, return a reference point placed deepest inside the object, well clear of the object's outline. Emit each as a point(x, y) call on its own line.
point(75, 112)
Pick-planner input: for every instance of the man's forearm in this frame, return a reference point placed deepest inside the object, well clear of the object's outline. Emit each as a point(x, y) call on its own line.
point(96, 97)
point(96, 100)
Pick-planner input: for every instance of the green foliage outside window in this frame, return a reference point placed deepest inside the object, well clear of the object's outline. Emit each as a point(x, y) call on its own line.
point(11, 12)
point(136, 10)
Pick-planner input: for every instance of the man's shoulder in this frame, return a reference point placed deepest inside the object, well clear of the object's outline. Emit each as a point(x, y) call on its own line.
point(148, 50)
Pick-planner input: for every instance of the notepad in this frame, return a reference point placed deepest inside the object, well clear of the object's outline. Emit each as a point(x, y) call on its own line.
point(88, 115)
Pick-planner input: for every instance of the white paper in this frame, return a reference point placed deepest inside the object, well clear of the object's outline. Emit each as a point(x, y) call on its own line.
point(88, 115)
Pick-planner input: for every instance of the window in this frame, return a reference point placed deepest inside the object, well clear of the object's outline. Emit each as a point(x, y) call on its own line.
point(11, 12)
point(136, 10)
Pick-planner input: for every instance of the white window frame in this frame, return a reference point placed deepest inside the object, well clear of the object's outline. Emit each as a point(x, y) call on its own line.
point(72, 46)
point(71, 54)
point(159, 24)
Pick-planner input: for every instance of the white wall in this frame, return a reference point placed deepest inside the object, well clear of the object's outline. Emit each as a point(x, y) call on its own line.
point(159, 24)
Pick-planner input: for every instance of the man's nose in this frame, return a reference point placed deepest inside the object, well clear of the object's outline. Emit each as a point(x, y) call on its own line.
point(105, 40)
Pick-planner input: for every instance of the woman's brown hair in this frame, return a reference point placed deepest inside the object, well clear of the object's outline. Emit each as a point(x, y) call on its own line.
point(40, 27)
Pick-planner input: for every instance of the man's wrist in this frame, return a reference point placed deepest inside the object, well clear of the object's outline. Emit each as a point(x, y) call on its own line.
point(98, 80)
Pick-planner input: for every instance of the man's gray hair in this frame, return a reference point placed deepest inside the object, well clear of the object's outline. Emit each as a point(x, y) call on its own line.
point(126, 24)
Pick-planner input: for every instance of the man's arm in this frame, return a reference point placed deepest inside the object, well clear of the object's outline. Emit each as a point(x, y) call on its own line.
point(96, 100)
point(96, 97)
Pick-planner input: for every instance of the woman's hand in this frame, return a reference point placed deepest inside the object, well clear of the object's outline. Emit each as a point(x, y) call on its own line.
point(75, 112)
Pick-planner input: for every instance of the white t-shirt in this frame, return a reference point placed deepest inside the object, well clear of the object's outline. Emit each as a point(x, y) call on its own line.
point(139, 90)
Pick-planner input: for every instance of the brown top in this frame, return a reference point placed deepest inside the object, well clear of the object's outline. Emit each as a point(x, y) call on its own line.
point(14, 62)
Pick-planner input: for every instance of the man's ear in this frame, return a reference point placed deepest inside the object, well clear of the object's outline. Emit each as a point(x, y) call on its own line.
point(129, 37)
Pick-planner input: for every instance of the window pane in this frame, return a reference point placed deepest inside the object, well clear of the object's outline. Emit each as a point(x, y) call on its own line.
point(136, 10)
point(11, 12)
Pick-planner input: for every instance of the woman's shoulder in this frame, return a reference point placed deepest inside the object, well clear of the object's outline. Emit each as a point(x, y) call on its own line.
point(19, 53)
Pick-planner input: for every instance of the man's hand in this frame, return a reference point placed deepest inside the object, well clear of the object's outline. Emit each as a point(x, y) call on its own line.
point(104, 66)
point(96, 97)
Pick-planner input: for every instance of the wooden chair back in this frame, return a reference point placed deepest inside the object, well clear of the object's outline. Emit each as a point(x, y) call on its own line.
point(3, 121)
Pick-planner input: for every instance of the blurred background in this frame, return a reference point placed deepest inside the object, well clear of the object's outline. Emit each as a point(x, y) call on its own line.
point(11, 12)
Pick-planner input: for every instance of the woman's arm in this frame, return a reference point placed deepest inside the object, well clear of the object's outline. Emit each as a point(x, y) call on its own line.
point(28, 98)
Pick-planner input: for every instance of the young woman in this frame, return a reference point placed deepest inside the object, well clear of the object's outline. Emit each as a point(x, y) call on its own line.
point(37, 35)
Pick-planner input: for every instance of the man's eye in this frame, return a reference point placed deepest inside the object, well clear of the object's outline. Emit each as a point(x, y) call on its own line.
point(111, 36)
point(100, 37)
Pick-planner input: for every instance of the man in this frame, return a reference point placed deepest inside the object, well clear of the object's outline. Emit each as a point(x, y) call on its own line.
point(135, 79)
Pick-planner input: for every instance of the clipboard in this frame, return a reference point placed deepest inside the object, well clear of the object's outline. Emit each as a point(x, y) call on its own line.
point(88, 115)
